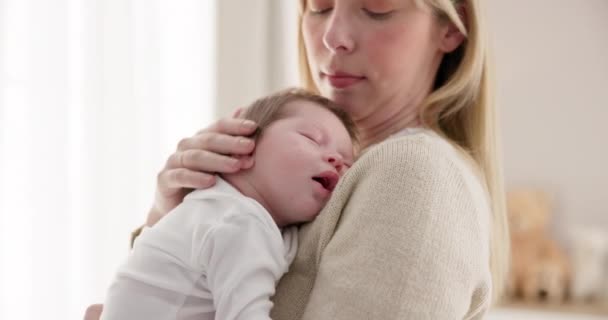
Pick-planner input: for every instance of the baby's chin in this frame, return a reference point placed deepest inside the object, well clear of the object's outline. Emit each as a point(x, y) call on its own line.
point(307, 215)
point(312, 214)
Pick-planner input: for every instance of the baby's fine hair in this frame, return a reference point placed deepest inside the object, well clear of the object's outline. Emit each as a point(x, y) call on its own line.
point(269, 109)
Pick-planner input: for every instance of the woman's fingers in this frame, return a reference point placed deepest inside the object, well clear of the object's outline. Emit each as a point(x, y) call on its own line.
point(237, 112)
point(246, 162)
point(93, 312)
point(217, 143)
point(220, 148)
point(232, 126)
point(205, 161)
point(175, 179)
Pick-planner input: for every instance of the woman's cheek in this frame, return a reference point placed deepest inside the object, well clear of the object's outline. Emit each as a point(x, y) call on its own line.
point(386, 46)
point(313, 37)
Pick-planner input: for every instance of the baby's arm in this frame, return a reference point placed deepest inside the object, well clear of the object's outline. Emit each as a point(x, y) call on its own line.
point(244, 259)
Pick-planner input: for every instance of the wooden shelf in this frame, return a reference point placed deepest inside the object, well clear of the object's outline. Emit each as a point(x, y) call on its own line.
point(589, 309)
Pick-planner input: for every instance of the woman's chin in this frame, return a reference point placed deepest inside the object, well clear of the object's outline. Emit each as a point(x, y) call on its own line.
point(347, 101)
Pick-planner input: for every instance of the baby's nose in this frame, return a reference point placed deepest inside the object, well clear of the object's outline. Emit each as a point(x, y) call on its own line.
point(335, 160)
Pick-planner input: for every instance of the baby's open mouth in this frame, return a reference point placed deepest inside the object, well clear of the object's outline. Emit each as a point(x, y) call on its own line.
point(328, 180)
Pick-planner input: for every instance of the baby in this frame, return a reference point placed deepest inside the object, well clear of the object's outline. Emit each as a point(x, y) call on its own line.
point(219, 254)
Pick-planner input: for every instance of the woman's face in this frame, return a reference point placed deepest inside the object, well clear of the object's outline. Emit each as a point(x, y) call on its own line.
point(372, 56)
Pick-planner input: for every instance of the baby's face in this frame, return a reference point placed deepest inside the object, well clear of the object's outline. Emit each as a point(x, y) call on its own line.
point(299, 160)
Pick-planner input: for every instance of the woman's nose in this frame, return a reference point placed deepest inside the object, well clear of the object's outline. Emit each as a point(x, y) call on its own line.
point(338, 35)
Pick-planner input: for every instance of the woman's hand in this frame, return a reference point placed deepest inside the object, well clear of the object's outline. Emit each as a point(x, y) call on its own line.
point(93, 312)
point(220, 148)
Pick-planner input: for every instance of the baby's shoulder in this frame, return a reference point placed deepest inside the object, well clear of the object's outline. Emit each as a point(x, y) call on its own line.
point(226, 207)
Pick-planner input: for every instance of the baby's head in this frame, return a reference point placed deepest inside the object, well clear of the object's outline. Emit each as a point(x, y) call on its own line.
point(304, 144)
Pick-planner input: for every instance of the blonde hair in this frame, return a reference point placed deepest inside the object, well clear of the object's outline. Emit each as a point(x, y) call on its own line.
point(461, 108)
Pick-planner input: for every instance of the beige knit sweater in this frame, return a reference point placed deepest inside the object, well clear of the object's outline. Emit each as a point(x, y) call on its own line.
point(405, 236)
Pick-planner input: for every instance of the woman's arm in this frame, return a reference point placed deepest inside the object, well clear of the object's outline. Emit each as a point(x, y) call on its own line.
point(411, 242)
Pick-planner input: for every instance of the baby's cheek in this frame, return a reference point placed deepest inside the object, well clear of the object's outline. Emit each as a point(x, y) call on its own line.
point(288, 163)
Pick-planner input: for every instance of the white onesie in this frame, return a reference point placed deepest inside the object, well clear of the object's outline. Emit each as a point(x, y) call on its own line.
point(218, 255)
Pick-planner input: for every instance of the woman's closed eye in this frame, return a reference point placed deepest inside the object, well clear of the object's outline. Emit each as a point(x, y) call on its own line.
point(378, 15)
point(320, 6)
point(319, 11)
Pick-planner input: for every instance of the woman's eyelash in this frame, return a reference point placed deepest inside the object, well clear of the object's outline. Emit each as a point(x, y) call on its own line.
point(319, 11)
point(371, 14)
point(378, 15)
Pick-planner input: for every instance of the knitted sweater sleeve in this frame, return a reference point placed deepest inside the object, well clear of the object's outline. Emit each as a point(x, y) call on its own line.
point(410, 243)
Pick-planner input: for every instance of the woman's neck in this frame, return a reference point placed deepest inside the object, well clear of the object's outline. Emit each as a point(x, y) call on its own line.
point(378, 126)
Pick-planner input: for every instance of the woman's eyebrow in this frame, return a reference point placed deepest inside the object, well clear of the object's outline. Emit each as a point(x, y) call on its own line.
point(381, 4)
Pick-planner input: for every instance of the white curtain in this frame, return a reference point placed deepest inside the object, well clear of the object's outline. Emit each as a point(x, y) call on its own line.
point(94, 95)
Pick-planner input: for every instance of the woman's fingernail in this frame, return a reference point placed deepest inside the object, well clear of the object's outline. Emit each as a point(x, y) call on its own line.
point(208, 181)
point(245, 142)
point(246, 163)
point(234, 163)
point(249, 124)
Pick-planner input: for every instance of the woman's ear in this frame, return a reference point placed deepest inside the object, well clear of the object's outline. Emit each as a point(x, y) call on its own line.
point(451, 37)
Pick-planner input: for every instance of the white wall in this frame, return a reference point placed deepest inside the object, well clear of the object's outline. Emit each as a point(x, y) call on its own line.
point(552, 58)
point(256, 50)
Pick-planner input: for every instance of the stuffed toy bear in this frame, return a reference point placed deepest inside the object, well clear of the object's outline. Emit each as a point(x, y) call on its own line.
point(540, 269)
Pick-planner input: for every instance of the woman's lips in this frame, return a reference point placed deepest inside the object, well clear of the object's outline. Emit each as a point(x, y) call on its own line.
point(343, 80)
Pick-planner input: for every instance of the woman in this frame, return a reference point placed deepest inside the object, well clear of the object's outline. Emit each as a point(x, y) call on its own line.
point(417, 228)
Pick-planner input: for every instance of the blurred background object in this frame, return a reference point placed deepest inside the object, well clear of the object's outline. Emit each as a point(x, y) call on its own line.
point(589, 254)
point(552, 75)
point(94, 94)
point(540, 270)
